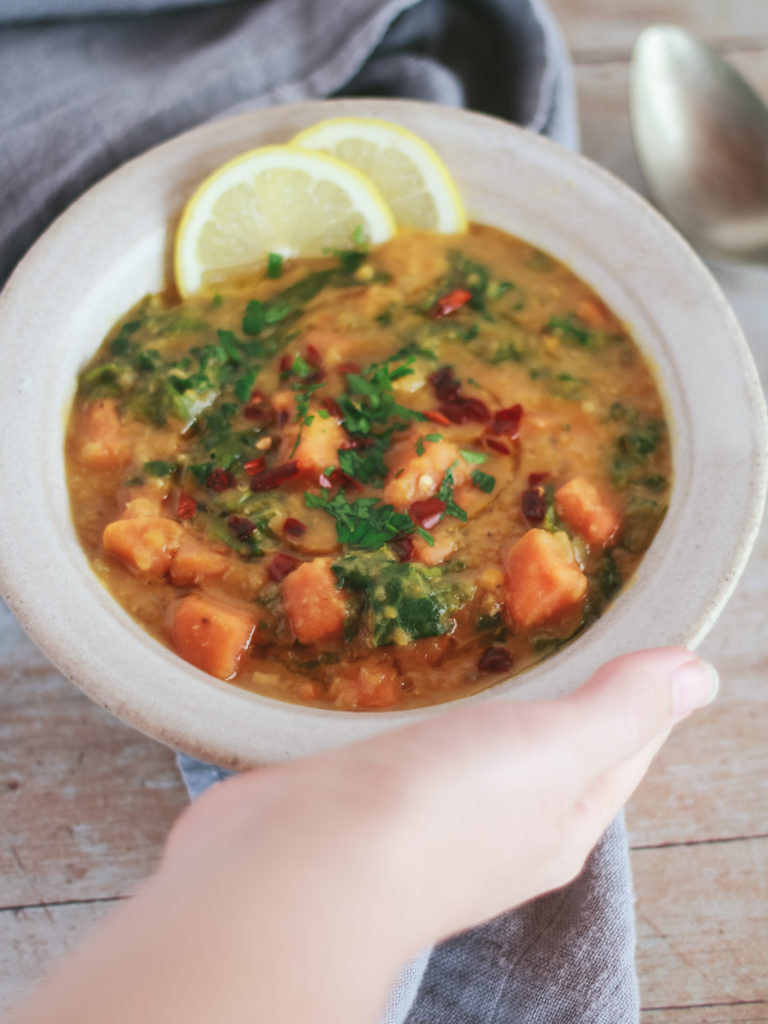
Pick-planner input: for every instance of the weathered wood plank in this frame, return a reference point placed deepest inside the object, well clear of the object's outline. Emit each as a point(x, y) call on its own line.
point(702, 923)
point(33, 939)
point(711, 779)
point(730, 1013)
point(84, 800)
point(596, 30)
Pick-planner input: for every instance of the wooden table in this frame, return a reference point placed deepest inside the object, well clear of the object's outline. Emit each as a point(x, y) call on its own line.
point(85, 802)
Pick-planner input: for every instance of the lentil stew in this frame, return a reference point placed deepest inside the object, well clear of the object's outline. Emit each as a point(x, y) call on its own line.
point(378, 480)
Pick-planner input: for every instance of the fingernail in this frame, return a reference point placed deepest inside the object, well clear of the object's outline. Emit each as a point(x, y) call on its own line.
point(694, 684)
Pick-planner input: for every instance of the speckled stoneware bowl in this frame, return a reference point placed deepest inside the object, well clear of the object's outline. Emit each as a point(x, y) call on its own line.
point(111, 247)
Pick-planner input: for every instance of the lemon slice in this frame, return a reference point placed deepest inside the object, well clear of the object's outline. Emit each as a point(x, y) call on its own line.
point(277, 199)
point(410, 175)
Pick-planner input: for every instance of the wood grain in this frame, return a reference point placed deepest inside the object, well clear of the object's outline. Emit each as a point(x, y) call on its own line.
point(728, 1013)
point(85, 801)
point(32, 939)
point(597, 30)
point(694, 951)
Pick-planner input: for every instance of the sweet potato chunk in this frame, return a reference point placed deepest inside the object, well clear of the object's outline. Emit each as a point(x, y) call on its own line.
point(543, 585)
point(366, 686)
point(210, 635)
point(581, 506)
point(196, 561)
point(106, 444)
point(414, 477)
point(319, 444)
point(315, 607)
point(147, 544)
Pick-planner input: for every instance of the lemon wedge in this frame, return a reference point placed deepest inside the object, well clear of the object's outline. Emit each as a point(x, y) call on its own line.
point(409, 174)
point(275, 199)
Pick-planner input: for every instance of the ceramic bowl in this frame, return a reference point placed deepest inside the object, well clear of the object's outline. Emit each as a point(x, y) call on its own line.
point(111, 247)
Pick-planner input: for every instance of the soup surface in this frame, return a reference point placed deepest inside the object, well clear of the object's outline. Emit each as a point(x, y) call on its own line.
point(376, 480)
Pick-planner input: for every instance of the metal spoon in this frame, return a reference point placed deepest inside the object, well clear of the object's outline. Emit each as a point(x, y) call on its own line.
point(701, 135)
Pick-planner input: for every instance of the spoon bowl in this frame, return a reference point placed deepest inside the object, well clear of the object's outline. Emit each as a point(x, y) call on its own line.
point(701, 135)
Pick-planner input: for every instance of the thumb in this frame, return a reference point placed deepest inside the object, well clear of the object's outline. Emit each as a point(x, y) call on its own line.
point(633, 699)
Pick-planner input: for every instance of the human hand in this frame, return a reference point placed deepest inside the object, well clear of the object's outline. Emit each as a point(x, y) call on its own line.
point(293, 893)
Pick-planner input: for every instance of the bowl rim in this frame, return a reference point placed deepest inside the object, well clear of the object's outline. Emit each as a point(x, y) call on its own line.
point(225, 723)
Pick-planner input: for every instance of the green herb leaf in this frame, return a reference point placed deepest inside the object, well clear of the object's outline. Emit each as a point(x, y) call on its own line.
point(483, 481)
point(363, 523)
point(474, 457)
point(157, 467)
point(274, 265)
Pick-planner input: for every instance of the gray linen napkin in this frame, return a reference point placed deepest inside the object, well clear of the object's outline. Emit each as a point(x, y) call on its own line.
point(89, 84)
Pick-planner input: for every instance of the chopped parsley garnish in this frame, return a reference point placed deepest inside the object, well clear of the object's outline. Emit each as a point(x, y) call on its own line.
point(274, 265)
point(370, 401)
point(364, 523)
point(445, 494)
point(474, 457)
point(483, 481)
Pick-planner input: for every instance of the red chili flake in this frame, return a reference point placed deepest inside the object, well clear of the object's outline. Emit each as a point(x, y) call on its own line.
point(437, 417)
point(534, 479)
point(269, 479)
point(444, 384)
point(281, 565)
point(316, 376)
point(348, 367)
point(495, 659)
point(240, 526)
point(312, 356)
point(187, 506)
point(357, 442)
point(219, 480)
point(496, 446)
point(337, 477)
point(254, 466)
point(427, 513)
point(450, 303)
point(258, 408)
point(462, 410)
point(286, 364)
point(332, 406)
point(403, 548)
point(293, 527)
point(534, 505)
point(507, 421)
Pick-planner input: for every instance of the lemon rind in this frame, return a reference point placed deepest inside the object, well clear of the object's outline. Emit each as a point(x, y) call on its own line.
point(452, 218)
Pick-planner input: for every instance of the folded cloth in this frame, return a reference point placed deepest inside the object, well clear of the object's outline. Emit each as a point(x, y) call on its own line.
point(83, 95)
point(89, 84)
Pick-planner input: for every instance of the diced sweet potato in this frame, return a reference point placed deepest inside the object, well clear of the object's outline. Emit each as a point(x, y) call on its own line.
point(543, 585)
point(197, 561)
point(581, 506)
point(315, 606)
point(367, 685)
point(147, 544)
point(210, 635)
point(105, 442)
point(413, 477)
point(319, 444)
